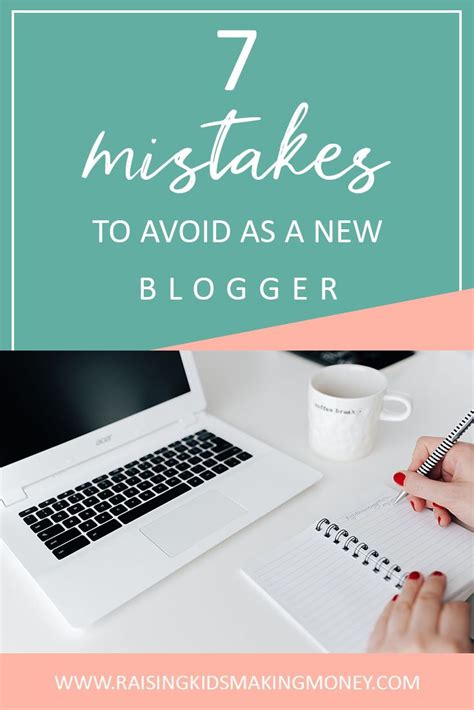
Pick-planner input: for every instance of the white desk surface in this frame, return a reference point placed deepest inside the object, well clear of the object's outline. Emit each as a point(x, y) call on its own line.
point(208, 606)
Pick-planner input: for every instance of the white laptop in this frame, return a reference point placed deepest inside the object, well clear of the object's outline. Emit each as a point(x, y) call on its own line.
point(113, 475)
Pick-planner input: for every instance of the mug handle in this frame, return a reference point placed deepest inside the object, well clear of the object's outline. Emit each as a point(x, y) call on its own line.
point(389, 416)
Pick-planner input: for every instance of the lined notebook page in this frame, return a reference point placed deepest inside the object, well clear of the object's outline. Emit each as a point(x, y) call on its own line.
point(333, 596)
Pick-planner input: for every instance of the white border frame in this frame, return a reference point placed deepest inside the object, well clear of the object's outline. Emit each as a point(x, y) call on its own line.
point(58, 458)
point(219, 12)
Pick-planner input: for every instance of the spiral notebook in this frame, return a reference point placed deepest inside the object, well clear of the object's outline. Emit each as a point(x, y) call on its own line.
point(334, 578)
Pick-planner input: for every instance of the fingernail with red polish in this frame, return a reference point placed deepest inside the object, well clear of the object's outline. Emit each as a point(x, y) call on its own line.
point(413, 505)
point(436, 573)
point(439, 519)
point(435, 505)
point(414, 575)
point(394, 599)
point(399, 478)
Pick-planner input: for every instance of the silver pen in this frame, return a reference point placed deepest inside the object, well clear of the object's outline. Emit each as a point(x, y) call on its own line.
point(441, 450)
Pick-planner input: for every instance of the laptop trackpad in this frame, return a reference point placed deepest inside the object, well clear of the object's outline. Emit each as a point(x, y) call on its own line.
point(187, 525)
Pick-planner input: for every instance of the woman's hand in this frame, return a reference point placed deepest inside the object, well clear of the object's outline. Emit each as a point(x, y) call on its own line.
point(417, 620)
point(449, 488)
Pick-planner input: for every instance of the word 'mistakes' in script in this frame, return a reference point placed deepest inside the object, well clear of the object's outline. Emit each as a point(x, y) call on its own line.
point(250, 160)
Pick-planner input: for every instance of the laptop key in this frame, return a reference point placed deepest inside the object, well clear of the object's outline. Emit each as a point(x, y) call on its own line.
point(50, 532)
point(28, 511)
point(132, 471)
point(147, 457)
point(103, 530)
point(223, 455)
point(70, 522)
point(102, 506)
point(232, 462)
point(119, 487)
point(146, 495)
point(244, 456)
point(104, 484)
point(194, 460)
point(156, 460)
point(64, 550)
point(173, 481)
point(76, 498)
point(160, 488)
point(117, 477)
point(118, 509)
point(156, 502)
point(90, 491)
point(158, 468)
point(170, 472)
point(105, 494)
point(220, 468)
point(65, 494)
point(47, 503)
point(87, 514)
point(147, 474)
point(144, 485)
point(116, 470)
point(131, 492)
point(131, 464)
point(93, 500)
point(182, 466)
point(99, 478)
point(207, 475)
point(62, 538)
point(206, 454)
point(74, 509)
point(180, 448)
point(159, 478)
point(168, 454)
point(87, 525)
point(198, 469)
point(30, 519)
point(103, 518)
point(132, 502)
point(210, 463)
point(144, 465)
point(83, 485)
point(115, 500)
point(203, 434)
point(195, 481)
point(37, 527)
point(60, 505)
point(45, 513)
point(221, 444)
point(172, 462)
point(185, 475)
point(57, 517)
point(133, 480)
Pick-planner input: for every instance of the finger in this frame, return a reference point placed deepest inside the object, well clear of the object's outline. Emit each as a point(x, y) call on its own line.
point(424, 487)
point(418, 504)
point(442, 516)
point(424, 446)
point(454, 622)
point(428, 603)
point(379, 631)
point(399, 618)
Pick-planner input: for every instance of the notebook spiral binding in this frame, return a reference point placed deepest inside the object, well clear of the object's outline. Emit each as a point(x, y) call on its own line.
point(361, 549)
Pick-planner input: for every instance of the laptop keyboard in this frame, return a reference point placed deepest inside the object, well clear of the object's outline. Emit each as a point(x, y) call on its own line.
point(85, 514)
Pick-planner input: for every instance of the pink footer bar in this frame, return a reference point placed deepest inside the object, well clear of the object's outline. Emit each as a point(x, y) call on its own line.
point(371, 682)
point(434, 323)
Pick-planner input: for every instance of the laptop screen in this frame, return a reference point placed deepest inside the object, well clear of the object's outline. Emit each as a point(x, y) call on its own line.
point(49, 398)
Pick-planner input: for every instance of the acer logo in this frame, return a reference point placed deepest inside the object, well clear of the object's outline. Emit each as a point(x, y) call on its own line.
point(103, 440)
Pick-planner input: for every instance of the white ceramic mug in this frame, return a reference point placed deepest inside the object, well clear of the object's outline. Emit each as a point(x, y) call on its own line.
point(345, 404)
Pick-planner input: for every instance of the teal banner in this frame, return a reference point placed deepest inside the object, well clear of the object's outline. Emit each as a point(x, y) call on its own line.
point(179, 174)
